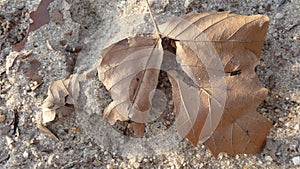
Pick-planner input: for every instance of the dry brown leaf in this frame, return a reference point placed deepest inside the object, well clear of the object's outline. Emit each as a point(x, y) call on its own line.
point(61, 100)
point(39, 17)
point(218, 53)
point(32, 71)
point(57, 16)
point(10, 59)
point(61, 94)
point(71, 61)
point(138, 128)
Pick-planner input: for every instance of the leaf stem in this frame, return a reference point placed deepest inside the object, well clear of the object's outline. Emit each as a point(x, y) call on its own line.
point(153, 19)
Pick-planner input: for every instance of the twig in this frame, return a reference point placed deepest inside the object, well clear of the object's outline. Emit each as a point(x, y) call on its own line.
point(46, 131)
point(5, 158)
point(153, 20)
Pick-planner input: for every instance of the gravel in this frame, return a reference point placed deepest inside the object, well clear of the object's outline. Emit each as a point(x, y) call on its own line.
point(86, 140)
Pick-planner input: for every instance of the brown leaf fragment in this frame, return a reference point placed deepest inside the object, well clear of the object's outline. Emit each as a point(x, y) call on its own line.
point(39, 17)
point(63, 42)
point(20, 46)
point(61, 94)
point(32, 71)
point(71, 59)
point(57, 16)
point(46, 131)
point(139, 129)
point(62, 99)
point(10, 59)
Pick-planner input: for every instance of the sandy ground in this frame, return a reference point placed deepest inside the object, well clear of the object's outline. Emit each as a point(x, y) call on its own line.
point(86, 140)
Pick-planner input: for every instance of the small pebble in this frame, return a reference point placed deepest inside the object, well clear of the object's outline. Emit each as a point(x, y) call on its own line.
point(2, 118)
point(123, 165)
point(296, 127)
point(146, 160)
point(204, 5)
point(25, 154)
point(187, 3)
point(220, 157)
point(296, 160)
point(279, 16)
point(136, 165)
point(9, 142)
point(109, 166)
point(268, 158)
point(227, 162)
point(259, 162)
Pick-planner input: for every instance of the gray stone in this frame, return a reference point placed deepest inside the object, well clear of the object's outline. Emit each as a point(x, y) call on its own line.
point(296, 160)
point(279, 16)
